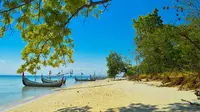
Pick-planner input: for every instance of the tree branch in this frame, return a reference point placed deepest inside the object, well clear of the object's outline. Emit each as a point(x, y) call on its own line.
point(87, 14)
point(188, 38)
point(85, 6)
point(16, 7)
point(105, 7)
point(191, 41)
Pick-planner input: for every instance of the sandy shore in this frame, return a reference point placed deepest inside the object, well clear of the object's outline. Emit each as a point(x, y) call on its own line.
point(111, 96)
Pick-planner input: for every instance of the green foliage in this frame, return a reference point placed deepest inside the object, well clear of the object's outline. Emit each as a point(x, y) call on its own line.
point(44, 27)
point(147, 49)
point(147, 24)
point(115, 64)
point(165, 47)
point(132, 71)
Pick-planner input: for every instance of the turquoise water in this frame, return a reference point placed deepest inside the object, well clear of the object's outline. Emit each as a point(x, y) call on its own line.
point(13, 92)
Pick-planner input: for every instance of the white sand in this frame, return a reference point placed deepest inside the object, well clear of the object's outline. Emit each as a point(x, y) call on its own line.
point(112, 96)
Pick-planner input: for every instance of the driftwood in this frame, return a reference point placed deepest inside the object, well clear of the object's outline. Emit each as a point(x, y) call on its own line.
point(196, 104)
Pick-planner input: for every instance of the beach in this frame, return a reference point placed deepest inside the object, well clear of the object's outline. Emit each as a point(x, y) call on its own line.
point(106, 95)
point(14, 93)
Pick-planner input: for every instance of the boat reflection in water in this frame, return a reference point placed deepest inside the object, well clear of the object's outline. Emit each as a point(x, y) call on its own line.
point(34, 92)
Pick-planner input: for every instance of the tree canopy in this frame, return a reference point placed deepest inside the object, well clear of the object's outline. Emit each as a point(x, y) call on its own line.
point(166, 47)
point(116, 64)
point(44, 27)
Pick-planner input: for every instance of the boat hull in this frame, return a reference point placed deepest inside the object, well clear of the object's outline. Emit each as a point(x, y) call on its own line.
point(84, 79)
point(28, 82)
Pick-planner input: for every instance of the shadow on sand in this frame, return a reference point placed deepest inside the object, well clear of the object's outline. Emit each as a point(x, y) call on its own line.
point(139, 107)
point(183, 107)
point(74, 109)
point(131, 108)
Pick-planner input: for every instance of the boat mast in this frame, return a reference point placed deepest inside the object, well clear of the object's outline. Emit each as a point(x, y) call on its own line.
point(81, 74)
point(50, 74)
point(71, 72)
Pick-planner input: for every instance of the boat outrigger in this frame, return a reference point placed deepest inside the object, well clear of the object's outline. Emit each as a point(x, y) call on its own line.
point(28, 82)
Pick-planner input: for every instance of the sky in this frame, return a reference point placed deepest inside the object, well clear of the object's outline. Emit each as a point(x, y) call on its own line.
point(93, 39)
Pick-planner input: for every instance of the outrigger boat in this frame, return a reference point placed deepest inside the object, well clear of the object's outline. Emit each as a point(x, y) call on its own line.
point(91, 79)
point(45, 80)
point(49, 80)
point(28, 82)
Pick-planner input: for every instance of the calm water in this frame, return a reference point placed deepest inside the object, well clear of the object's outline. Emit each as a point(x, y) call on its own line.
point(13, 92)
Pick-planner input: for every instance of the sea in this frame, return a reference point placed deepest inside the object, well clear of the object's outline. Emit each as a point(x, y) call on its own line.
point(14, 93)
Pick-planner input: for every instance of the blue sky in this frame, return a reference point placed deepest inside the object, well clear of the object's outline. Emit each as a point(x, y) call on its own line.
point(94, 39)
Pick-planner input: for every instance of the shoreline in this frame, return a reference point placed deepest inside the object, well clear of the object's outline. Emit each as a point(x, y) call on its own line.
point(126, 95)
point(25, 101)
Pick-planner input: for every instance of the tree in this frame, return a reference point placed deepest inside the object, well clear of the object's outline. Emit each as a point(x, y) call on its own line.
point(115, 64)
point(44, 27)
point(147, 48)
point(189, 11)
point(164, 47)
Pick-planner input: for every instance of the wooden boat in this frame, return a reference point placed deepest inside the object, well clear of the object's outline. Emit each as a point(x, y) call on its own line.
point(91, 79)
point(45, 80)
point(28, 82)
